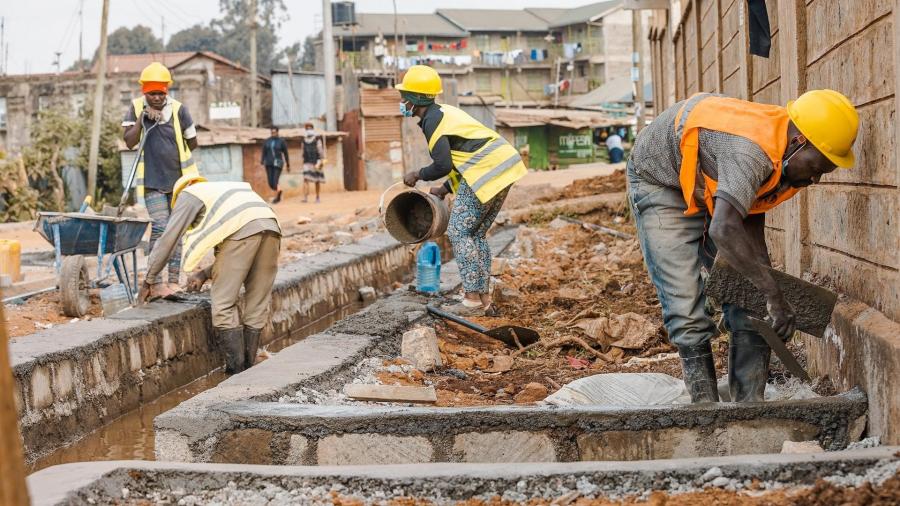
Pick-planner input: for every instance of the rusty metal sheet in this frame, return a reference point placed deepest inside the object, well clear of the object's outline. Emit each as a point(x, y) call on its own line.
point(379, 102)
point(381, 129)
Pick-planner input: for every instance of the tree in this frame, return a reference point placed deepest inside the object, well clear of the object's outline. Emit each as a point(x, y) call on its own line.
point(137, 40)
point(308, 61)
point(195, 38)
point(289, 57)
point(80, 65)
point(234, 29)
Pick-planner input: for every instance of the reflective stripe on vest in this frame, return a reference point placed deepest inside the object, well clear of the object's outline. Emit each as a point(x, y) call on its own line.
point(490, 169)
point(765, 125)
point(227, 208)
point(185, 157)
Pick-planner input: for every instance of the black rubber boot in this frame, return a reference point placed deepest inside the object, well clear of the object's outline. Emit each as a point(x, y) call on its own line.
point(277, 198)
point(699, 372)
point(251, 345)
point(748, 366)
point(232, 343)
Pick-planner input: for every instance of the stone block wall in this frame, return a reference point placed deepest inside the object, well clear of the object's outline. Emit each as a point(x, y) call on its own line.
point(843, 231)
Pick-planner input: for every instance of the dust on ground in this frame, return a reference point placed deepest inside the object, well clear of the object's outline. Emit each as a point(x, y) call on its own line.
point(612, 183)
point(42, 312)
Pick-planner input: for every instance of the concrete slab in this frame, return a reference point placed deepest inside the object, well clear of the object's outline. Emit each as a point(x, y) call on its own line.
point(103, 482)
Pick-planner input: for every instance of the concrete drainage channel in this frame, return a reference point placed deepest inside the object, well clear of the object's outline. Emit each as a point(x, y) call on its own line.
point(246, 418)
point(75, 378)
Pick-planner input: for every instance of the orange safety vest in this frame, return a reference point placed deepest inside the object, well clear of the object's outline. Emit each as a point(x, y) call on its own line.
point(766, 125)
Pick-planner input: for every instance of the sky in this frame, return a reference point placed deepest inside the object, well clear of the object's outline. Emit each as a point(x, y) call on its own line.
point(36, 29)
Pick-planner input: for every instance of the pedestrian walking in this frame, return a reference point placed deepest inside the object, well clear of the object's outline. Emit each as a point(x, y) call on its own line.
point(313, 161)
point(274, 158)
point(236, 223)
point(167, 153)
point(481, 167)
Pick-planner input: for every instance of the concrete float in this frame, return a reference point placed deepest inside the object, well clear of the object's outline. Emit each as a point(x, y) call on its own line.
point(138, 482)
point(241, 420)
point(74, 378)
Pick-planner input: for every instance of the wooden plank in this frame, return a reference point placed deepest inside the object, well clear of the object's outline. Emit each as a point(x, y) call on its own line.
point(746, 68)
point(13, 491)
point(852, 16)
point(698, 45)
point(717, 12)
point(391, 393)
point(896, 50)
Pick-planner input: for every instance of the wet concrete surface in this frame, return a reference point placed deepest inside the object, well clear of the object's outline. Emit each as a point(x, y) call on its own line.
point(131, 436)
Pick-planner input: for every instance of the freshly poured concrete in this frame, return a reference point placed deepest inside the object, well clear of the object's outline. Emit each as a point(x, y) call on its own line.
point(108, 482)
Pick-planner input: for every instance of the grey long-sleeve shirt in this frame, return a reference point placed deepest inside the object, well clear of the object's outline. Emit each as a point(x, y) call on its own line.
point(187, 210)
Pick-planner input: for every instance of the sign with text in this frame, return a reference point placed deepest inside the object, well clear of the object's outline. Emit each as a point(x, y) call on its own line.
point(224, 110)
point(576, 144)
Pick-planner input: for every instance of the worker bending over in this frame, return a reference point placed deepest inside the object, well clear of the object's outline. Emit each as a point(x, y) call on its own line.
point(244, 232)
point(481, 165)
point(167, 150)
point(700, 179)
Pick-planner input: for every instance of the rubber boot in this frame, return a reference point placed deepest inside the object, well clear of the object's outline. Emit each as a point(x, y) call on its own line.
point(232, 343)
point(251, 345)
point(277, 198)
point(748, 366)
point(699, 371)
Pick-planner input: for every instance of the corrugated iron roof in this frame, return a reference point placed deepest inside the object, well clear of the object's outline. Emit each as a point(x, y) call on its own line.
point(133, 63)
point(371, 24)
point(379, 102)
point(548, 14)
point(495, 20)
point(566, 118)
point(584, 14)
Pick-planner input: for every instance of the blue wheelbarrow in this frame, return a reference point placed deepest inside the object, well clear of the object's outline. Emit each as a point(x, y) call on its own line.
point(111, 238)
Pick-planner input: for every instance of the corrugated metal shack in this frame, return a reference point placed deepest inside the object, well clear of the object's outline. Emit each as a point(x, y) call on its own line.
point(297, 97)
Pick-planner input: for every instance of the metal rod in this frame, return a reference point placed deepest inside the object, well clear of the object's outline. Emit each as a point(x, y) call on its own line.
point(57, 264)
point(134, 166)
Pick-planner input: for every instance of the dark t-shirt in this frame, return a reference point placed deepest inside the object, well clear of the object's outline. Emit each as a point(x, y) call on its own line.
point(274, 152)
point(162, 166)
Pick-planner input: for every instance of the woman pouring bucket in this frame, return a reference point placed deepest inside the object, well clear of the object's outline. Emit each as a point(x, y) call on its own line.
point(481, 166)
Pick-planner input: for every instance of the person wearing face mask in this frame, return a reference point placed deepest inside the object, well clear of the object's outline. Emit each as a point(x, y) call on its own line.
point(167, 151)
point(313, 160)
point(700, 179)
point(481, 167)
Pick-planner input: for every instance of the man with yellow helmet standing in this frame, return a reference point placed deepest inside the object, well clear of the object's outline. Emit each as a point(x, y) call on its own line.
point(239, 226)
point(167, 150)
point(481, 165)
point(700, 180)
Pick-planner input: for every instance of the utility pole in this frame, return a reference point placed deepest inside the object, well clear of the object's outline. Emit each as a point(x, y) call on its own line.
point(637, 68)
point(162, 30)
point(97, 114)
point(396, 48)
point(2, 45)
point(328, 57)
point(81, 35)
point(254, 98)
point(57, 62)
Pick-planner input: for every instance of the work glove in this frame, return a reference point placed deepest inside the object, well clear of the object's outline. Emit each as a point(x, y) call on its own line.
point(782, 316)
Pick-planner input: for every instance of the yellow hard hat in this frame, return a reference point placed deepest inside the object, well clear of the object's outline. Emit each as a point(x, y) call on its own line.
point(829, 121)
point(421, 79)
point(185, 181)
point(156, 73)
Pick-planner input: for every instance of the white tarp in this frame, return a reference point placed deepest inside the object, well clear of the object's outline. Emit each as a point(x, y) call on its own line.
point(621, 389)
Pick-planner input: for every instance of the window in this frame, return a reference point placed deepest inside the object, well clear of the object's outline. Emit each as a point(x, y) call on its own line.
point(483, 42)
point(44, 102)
point(483, 82)
point(2, 112)
point(77, 102)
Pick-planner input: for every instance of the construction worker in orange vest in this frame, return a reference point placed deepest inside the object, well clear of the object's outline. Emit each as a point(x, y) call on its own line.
point(700, 179)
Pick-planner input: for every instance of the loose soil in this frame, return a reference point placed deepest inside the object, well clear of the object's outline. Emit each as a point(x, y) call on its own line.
point(578, 288)
point(612, 183)
point(42, 312)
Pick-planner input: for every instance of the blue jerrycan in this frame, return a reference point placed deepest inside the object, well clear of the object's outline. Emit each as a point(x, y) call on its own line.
point(428, 268)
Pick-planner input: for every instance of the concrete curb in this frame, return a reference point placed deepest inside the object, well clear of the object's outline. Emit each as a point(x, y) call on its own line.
point(104, 481)
point(73, 378)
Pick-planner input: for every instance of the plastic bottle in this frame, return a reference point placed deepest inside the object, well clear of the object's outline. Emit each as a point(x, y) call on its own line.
point(10, 259)
point(114, 298)
point(428, 268)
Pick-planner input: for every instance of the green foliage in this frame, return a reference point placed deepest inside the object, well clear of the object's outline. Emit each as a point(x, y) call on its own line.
point(137, 40)
point(195, 38)
point(308, 60)
point(80, 65)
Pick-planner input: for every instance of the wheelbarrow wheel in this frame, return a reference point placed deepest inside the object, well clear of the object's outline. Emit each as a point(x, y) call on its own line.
point(73, 287)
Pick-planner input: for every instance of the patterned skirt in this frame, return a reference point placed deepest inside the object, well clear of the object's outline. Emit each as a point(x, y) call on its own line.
point(311, 174)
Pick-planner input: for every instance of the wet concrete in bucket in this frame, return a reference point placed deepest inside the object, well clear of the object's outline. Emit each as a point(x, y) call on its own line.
point(131, 436)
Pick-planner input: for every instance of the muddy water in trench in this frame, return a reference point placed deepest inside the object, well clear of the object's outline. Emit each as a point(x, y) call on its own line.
point(130, 437)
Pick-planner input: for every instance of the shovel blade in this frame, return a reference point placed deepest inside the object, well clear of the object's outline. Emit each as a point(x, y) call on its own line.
point(526, 336)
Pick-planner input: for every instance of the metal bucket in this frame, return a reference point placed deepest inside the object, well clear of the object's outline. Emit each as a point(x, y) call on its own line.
point(413, 216)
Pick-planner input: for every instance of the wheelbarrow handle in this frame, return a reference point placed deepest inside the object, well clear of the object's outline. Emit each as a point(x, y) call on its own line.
point(134, 166)
point(456, 319)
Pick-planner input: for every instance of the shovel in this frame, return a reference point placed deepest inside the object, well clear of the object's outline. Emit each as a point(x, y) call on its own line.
point(511, 335)
point(778, 346)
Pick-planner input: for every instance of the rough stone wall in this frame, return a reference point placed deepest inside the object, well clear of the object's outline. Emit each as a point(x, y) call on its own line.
point(844, 229)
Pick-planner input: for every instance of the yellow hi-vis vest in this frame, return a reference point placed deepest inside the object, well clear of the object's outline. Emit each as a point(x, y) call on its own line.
point(184, 152)
point(488, 171)
point(227, 208)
